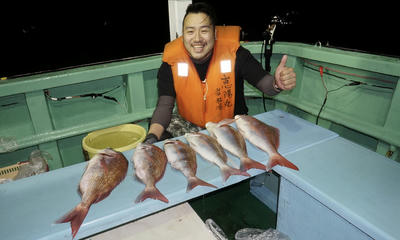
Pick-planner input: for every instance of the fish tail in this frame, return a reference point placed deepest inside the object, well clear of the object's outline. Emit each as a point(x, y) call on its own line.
point(229, 171)
point(278, 159)
point(248, 163)
point(195, 181)
point(76, 217)
point(151, 192)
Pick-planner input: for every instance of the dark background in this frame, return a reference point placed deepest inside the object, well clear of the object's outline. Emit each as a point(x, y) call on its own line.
point(44, 38)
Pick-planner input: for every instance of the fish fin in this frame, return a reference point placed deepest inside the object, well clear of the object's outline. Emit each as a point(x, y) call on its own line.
point(76, 217)
point(247, 163)
point(278, 159)
point(151, 192)
point(195, 181)
point(229, 171)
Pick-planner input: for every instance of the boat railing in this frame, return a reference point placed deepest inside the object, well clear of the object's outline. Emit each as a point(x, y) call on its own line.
point(355, 94)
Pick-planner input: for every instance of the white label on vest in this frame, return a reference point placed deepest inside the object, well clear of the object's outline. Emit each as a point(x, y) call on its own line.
point(183, 69)
point(225, 66)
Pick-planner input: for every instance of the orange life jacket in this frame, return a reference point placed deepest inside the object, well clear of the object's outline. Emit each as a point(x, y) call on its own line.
point(213, 100)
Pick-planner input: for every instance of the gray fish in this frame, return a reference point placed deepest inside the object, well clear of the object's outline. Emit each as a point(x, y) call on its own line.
point(264, 137)
point(231, 140)
point(150, 162)
point(213, 152)
point(104, 172)
point(183, 158)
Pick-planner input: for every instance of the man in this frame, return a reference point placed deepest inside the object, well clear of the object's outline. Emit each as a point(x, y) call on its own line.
point(203, 71)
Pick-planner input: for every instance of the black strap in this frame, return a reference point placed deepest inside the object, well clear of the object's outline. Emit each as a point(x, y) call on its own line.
point(92, 95)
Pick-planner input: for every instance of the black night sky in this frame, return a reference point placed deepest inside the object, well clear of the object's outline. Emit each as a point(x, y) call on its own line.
point(42, 38)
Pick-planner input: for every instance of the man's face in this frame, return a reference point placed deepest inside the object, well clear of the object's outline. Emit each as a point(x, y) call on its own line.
point(198, 35)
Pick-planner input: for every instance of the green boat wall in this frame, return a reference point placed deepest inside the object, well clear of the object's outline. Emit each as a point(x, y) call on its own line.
point(363, 100)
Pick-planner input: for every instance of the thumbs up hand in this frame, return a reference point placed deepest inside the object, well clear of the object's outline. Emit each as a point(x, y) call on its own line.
point(285, 77)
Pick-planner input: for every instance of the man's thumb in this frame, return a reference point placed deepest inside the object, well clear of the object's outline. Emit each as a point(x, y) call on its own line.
point(283, 61)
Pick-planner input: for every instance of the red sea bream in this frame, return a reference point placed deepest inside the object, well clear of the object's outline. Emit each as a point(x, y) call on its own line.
point(183, 158)
point(149, 162)
point(264, 137)
point(213, 152)
point(104, 172)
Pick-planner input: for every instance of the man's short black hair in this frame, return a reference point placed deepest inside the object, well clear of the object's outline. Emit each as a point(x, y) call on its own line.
point(202, 7)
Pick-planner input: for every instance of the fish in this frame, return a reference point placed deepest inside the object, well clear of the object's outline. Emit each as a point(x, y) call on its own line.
point(149, 162)
point(212, 151)
point(103, 173)
point(265, 137)
point(233, 141)
point(183, 158)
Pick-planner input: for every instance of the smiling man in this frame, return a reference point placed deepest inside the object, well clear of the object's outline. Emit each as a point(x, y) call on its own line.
point(204, 72)
point(198, 35)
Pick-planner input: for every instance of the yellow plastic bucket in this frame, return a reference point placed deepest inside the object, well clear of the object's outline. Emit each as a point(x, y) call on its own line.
point(120, 138)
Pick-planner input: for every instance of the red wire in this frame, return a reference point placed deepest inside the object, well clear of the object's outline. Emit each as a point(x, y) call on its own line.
point(321, 69)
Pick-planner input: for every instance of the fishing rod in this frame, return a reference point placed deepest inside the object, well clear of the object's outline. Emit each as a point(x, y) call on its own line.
point(91, 95)
point(268, 42)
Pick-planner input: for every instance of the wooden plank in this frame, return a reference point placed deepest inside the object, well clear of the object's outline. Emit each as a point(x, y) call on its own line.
point(179, 222)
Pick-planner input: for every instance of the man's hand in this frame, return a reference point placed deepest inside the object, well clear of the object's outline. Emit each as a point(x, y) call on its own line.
point(285, 77)
point(150, 139)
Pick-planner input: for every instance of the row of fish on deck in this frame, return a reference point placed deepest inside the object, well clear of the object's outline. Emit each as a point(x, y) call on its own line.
point(108, 168)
